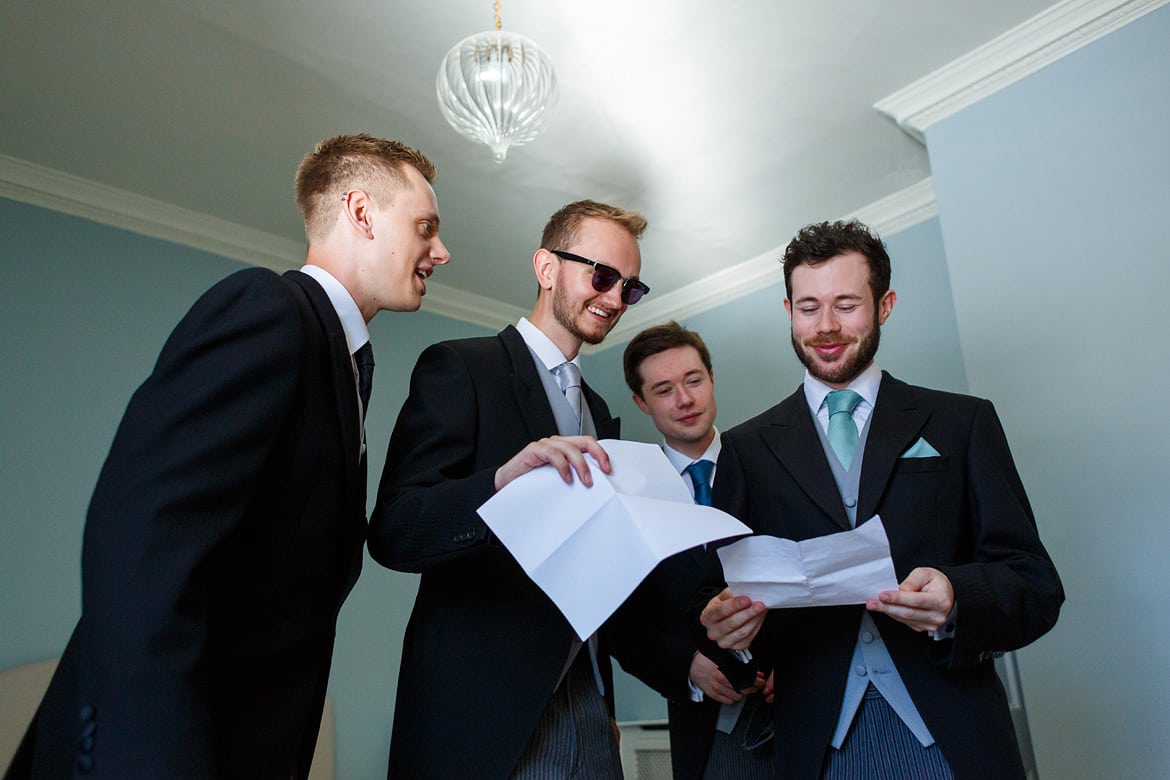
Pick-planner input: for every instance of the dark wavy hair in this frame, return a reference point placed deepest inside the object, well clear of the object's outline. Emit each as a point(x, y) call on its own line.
point(821, 242)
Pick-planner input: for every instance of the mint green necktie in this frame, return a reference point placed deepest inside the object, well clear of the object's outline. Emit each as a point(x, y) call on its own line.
point(842, 429)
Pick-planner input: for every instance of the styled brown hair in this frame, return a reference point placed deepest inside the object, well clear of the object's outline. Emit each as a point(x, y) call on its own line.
point(659, 339)
point(345, 162)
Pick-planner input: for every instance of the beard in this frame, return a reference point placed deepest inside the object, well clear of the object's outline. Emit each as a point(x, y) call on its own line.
point(563, 311)
point(843, 370)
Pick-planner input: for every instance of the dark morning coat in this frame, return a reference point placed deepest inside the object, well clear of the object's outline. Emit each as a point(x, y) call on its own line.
point(656, 616)
point(484, 647)
point(224, 533)
point(964, 512)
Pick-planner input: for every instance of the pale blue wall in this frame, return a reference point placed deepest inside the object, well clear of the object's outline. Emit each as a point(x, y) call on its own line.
point(1053, 198)
point(755, 366)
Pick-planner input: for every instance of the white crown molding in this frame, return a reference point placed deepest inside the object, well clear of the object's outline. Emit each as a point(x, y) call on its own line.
point(887, 216)
point(1021, 51)
point(44, 187)
point(469, 307)
point(39, 186)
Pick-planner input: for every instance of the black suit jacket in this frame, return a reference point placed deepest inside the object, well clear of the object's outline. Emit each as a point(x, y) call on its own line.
point(222, 537)
point(658, 650)
point(964, 512)
point(484, 647)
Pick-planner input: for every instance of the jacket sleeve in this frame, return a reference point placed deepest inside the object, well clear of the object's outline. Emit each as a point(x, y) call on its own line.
point(178, 480)
point(1009, 594)
point(433, 482)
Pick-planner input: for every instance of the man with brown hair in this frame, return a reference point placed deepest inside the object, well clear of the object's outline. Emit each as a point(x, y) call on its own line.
point(904, 685)
point(227, 524)
point(494, 682)
point(715, 730)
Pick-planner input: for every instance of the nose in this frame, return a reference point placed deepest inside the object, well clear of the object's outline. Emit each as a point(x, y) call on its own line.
point(827, 321)
point(439, 253)
point(685, 398)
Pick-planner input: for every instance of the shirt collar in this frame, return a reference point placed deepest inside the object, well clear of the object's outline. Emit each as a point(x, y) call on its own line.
point(680, 461)
point(548, 352)
point(864, 384)
point(352, 322)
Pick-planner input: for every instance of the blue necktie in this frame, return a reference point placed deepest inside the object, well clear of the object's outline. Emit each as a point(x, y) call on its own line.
point(700, 473)
point(842, 429)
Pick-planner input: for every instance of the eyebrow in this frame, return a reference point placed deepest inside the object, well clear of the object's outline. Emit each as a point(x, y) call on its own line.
point(842, 297)
point(687, 375)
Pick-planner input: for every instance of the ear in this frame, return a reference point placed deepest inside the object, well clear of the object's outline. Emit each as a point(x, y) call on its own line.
point(545, 264)
point(788, 308)
point(358, 209)
point(641, 404)
point(886, 305)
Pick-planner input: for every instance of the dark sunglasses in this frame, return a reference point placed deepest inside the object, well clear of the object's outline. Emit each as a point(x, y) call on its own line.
point(605, 277)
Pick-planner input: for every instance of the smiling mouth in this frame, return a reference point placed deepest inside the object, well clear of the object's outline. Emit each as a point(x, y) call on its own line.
point(602, 313)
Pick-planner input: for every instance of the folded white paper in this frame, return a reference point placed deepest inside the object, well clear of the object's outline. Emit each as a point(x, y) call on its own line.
point(850, 567)
point(588, 548)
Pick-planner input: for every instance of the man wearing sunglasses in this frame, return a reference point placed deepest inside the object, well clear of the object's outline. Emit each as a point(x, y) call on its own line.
point(489, 664)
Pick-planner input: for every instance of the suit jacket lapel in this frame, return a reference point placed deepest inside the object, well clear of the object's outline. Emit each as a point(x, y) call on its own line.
point(529, 390)
point(344, 388)
point(897, 422)
point(526, 384)
point(348, 419)
point(790, 436)
point(607, 427)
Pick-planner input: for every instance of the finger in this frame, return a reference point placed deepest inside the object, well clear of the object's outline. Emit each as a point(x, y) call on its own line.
point(546, 452)
point(735, 635)
point(723, 606)
point(928, 600)
point(574, 458)
point(594, 448)
point(916, 580)
point(917, 619)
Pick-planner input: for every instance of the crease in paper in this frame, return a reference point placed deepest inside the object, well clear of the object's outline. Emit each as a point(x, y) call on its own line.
point(849, 567)
point(588, 548)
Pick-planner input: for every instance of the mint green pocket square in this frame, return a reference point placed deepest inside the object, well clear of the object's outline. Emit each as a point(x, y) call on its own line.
point(921, 449)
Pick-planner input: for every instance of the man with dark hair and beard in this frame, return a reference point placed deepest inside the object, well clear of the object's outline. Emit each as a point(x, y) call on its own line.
point(905, 685)
point(494, 682)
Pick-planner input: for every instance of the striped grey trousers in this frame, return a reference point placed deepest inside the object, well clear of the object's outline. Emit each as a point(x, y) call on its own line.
point(880, 747)
point(573, 738)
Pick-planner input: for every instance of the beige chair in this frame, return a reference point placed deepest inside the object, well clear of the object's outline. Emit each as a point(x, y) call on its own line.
point(22, 687)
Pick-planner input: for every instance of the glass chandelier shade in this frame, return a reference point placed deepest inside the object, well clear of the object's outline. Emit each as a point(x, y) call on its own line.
point(497, 88)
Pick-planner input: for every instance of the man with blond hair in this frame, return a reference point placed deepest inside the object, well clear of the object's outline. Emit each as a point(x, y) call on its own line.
point(494, 682)
point(227, 524)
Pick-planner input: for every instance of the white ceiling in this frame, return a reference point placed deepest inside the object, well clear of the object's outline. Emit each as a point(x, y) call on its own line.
point(729, 125)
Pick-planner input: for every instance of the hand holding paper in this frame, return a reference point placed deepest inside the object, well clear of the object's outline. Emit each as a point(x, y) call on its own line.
point(851, 567)
point(589, 547)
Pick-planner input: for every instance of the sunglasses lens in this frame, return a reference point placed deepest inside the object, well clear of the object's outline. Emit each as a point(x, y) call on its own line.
point(604, 278)
point(633, 292)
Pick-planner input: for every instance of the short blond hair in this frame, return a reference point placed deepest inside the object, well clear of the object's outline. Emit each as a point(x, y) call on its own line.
point(346, 162)
point(562, 227)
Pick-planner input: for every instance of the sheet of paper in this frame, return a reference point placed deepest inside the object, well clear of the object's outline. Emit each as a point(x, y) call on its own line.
point(850, 567)
point(588, 548)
